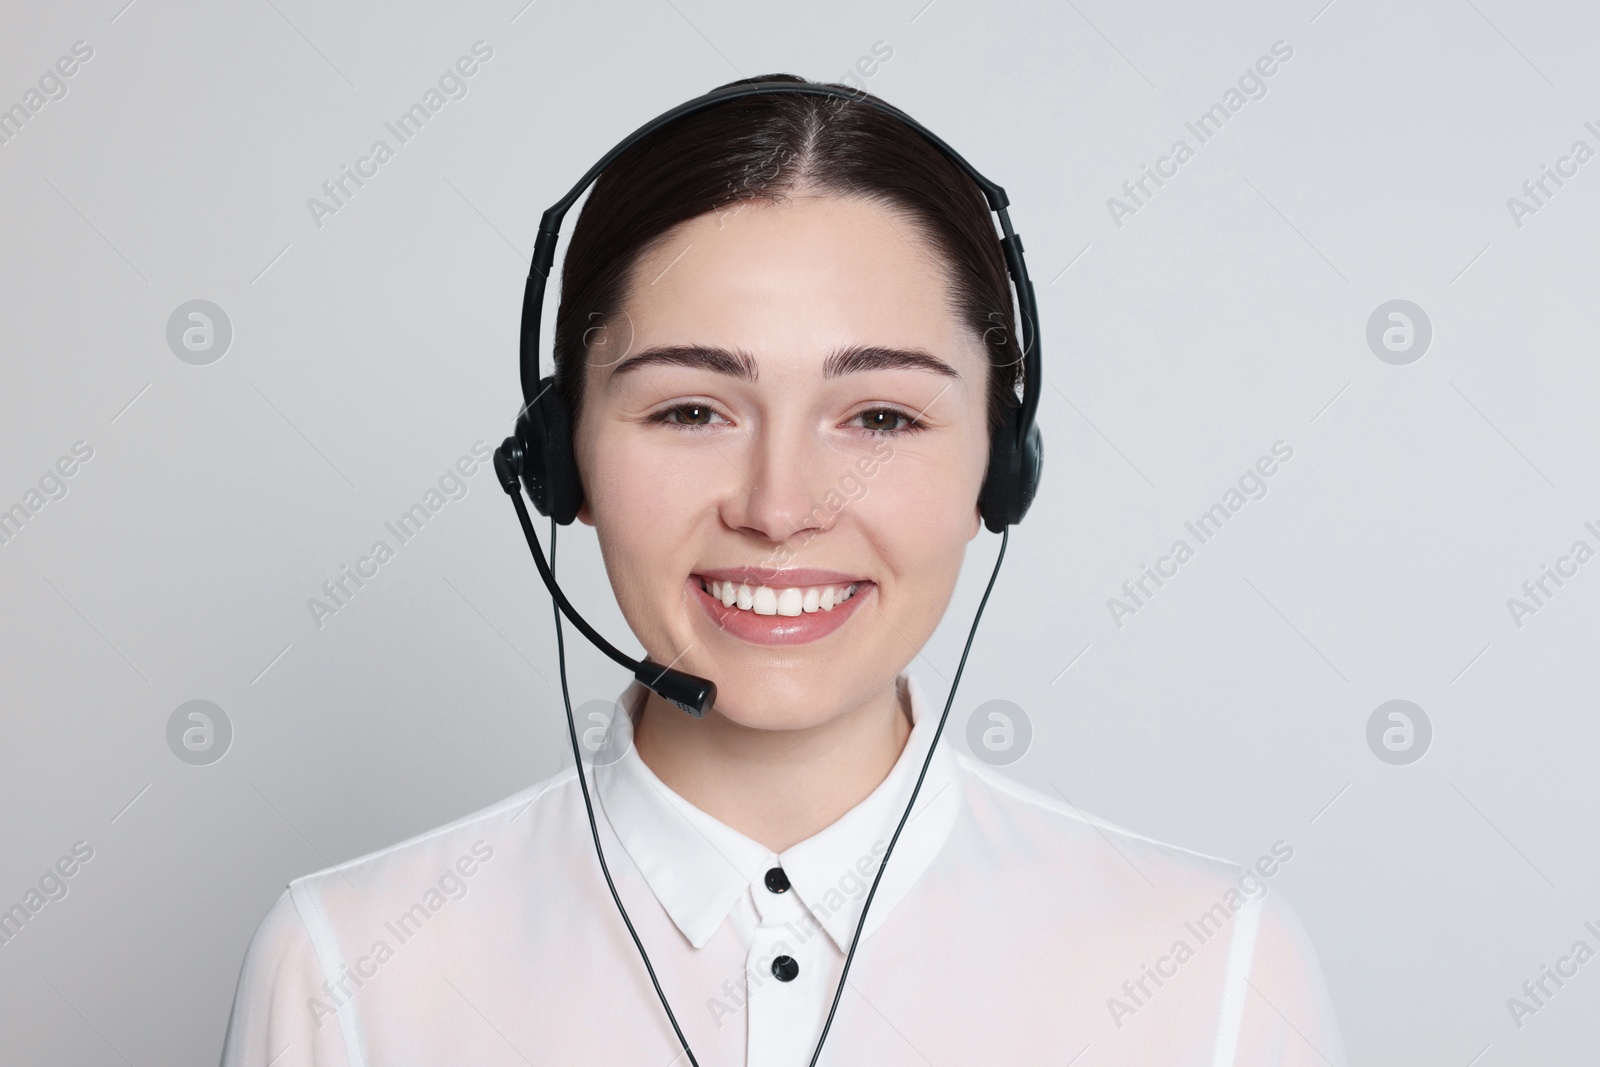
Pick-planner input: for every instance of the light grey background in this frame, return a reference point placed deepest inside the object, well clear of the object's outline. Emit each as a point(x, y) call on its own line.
point(1228, 313)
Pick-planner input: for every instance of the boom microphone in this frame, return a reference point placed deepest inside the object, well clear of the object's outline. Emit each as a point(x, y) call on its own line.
point(690, 692)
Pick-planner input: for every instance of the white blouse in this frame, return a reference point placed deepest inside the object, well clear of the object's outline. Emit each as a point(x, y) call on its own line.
point(1009, 929)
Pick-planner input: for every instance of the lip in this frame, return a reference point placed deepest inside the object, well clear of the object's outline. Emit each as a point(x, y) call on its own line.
point(799, 629)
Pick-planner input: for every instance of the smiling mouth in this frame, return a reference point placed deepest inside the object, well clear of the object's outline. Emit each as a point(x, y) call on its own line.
point(774, 600)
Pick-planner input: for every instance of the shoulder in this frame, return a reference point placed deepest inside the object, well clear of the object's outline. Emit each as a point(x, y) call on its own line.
point(1146, 897)
point(281, 976)
point(296, 976)
point(1058, 816)
point(1052, 831)
point(463, 844)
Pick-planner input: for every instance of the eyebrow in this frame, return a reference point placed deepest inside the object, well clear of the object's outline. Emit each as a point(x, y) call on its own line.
point(737, 363)
point(734, 363)
point(867, 357)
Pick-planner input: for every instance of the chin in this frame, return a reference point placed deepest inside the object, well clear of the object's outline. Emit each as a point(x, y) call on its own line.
point(783, 698)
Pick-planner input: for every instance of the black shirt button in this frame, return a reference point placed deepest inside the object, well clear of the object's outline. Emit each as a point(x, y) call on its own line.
point(784, 968)
point(778, 882)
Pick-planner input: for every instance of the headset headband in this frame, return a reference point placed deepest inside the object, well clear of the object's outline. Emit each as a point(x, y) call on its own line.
point(544, 246)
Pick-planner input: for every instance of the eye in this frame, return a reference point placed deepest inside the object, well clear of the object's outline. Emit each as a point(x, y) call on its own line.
point(887, 421)
point(690, 416)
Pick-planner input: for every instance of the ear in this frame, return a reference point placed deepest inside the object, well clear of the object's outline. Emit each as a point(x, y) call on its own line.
point(977, 522)
point(585, 513)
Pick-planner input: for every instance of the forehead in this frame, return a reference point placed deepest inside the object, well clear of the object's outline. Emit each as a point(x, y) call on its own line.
point(796, 279)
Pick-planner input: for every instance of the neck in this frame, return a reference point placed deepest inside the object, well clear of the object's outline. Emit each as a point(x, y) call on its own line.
point(777, 787)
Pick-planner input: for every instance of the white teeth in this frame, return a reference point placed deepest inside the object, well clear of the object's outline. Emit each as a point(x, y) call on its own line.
point(791, 601)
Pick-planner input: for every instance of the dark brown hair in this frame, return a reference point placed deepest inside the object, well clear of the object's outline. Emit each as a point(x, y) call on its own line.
point(762, 147)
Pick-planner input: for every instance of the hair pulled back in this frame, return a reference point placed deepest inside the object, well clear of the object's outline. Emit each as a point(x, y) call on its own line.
point(764, 147)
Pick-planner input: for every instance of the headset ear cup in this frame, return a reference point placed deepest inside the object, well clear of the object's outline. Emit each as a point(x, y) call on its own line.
point(549, 466)
point(994, 502)
point(1030, 467)
point(1013, 475)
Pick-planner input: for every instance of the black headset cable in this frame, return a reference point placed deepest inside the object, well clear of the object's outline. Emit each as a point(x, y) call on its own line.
point(1005, 535)
point(588, 804)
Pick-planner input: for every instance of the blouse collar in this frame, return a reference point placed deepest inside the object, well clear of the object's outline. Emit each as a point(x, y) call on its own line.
point(698, 868)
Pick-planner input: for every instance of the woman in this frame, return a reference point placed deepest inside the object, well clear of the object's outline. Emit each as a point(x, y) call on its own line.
point(783, 342)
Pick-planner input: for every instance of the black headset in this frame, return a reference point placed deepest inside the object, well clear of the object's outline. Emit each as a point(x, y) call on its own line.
point(540, 457)
point(541, 452)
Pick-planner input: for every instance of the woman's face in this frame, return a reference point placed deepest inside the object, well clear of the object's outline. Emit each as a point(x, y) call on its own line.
point(782, 441)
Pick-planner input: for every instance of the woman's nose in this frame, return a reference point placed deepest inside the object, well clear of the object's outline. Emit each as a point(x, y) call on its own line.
point(784, 480)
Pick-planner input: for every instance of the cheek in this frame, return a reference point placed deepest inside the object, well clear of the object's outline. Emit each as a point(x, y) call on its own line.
point(920, 510)
point(636, 481)
point(644, 505)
